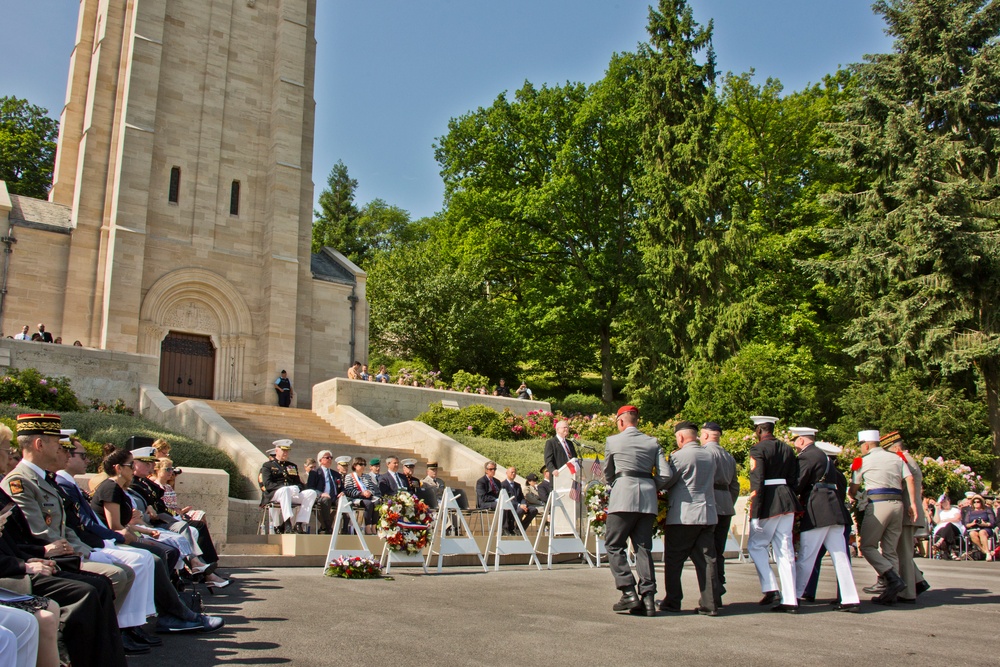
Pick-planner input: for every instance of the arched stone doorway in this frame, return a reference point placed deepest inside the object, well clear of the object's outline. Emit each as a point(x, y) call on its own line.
point(200, 303)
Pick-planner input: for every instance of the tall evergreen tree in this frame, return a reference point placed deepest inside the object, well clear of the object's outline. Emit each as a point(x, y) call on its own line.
point(919, 243)
point(681, 236)
point(334, 222)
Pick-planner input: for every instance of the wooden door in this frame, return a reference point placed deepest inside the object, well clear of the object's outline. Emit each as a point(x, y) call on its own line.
point(187, 366)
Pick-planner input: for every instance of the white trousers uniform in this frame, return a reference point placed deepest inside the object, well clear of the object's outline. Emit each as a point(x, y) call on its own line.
point(287, 495)
point(831, 537)
point(776, 531)
point(139, 604)
point(18, 638)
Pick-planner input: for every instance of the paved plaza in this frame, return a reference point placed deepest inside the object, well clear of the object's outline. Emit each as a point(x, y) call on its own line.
point(521, 616)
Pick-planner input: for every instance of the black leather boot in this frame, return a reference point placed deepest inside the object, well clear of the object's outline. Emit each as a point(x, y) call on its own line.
point(894, 585)
point(629, 600)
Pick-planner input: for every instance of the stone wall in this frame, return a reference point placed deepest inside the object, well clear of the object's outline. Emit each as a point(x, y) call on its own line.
point(203, 489)
point(392, 403)
point(92, 373)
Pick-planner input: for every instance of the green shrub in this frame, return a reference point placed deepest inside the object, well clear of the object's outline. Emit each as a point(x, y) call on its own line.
point(477, 420)
point(97, 428)
point(461, 379)
point(583, 404)
point(951, 477)
point(28, 388)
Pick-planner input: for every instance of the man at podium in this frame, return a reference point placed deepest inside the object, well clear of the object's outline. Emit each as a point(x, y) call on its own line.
point(559, 449)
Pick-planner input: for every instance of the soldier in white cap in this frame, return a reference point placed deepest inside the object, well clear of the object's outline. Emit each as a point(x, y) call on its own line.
point(280, 482)
point(773, 476)
point(822, 523)
point(883, 475)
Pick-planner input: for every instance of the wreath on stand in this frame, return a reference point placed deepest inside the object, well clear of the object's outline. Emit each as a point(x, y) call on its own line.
point(597, 510)
point(404, 522)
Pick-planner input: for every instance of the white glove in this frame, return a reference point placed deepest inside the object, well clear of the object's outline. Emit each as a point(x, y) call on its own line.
point(754, 524)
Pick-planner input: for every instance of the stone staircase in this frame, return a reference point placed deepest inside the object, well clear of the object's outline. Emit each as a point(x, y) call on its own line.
point(262, 425)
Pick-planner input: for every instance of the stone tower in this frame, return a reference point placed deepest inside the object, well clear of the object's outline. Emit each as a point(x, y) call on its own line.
point(185, 161)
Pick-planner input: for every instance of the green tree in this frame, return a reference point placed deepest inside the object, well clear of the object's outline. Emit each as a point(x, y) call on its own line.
point(333, 223)
point(918, 246)
point(541, 195)
point(27, 147)
point(681, 237)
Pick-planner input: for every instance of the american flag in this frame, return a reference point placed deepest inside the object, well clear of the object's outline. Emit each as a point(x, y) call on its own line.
point(574, 491)
point(596, 471)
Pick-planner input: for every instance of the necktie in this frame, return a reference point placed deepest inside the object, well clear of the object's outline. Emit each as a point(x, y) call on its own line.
point(50, 477)
point(493, 485)
point(399, 481)
point(565, 445)
point(329, 480)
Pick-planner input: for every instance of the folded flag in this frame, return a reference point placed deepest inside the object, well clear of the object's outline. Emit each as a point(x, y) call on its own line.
point(571, 466)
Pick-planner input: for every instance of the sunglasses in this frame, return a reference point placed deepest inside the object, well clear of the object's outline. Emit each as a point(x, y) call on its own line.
point(82, 455)
point(491, 468)
point(126, 465)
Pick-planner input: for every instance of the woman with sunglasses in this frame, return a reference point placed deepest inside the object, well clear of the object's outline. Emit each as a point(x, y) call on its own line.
point(979, 525)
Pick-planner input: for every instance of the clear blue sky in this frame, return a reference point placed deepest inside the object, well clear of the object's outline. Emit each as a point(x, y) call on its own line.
point(391, 73)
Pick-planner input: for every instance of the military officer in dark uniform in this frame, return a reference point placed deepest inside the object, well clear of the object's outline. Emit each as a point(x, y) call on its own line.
point(636, 468)
point(822, 522)
point(280, 482)
point(773, 476)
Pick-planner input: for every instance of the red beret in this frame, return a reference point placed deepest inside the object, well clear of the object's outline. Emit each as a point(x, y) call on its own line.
point(627, 408)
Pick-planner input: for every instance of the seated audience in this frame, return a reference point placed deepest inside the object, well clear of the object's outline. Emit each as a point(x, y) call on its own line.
point(525, 512)
point(488, 488)
point(281, 484)
point(531, 493)
point(948, 528)
point(361, 489)
point(329, 485)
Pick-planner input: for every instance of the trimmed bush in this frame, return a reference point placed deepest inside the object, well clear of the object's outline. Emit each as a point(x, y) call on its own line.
point(96, 428)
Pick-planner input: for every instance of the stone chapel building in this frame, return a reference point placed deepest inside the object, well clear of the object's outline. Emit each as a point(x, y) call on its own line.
point(179, 220)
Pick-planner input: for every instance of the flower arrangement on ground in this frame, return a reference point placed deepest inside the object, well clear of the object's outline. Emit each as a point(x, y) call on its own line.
point(596, 500)
point(403, 522)
point(354, 567)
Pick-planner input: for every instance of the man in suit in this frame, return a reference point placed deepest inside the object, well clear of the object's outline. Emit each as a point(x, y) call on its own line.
point(328, 485)
point(525, 512)
point(392, 481)
point(691, 519)
point(822, 523)
point(544, 488)
point(773, 476)
point(727, 490)
point(559, 449)
point(488, 488)
point(635, 467)
point(46, 337)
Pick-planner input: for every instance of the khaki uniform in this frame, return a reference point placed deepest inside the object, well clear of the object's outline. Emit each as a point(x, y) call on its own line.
point(883, 475)
point(908, 570)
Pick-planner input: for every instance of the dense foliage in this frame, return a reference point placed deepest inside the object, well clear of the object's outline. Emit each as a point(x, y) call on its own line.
point(27, 147)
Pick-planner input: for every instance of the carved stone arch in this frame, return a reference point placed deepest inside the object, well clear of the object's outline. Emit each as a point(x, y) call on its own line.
point(199, 301)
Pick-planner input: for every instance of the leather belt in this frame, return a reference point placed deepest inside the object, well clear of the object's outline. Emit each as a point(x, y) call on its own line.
point(825, 485)
point(775, 482)
point(885, 492)
point(639, 475)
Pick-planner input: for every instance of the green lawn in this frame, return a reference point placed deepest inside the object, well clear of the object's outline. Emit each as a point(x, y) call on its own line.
point(526, 455)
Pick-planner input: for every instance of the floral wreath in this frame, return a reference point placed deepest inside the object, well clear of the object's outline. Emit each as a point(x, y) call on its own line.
point(354, 567)
point(597, 509)
point(403, 522)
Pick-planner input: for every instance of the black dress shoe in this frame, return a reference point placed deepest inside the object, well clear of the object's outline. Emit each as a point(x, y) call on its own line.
point(922, 587)
point(663, 606)
point(705, 611)
point(649, 604)
point(629, 600)
point(143, 637)
point(769, 598)
point(131, 646)
point(875, 588)
point(807, 598)
point(849, 608)
point(785, 608)
point(900, 598)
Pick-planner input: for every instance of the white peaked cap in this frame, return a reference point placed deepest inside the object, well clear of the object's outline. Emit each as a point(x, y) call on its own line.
point(803, 430)
point(759, 419)
point(283, 444)
point(871, 435)
point(829, 448)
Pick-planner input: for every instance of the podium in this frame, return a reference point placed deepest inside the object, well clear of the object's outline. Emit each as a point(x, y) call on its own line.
point(563, 482)
point(555, 507)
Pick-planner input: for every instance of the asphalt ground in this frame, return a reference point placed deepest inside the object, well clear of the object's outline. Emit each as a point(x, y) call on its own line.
point(520, 616)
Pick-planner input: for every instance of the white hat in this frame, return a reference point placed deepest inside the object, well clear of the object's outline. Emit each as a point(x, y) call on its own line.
point(65, 433)
point(409, 462)
point(147, 454)
point(270, 452)
point(869, 436)
point(828, 447)
point(343, 460)
point(758, 420)
point(803, 431)
point(282, 444)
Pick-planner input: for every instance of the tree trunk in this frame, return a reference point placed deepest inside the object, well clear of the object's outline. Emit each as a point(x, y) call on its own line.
point(990, 369)
point(607, 392)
